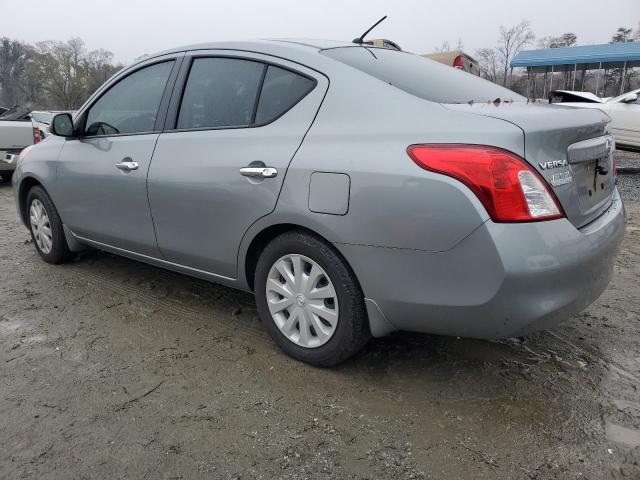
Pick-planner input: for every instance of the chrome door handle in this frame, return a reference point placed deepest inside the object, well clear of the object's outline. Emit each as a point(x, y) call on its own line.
point(261, 172)
point(127, 165)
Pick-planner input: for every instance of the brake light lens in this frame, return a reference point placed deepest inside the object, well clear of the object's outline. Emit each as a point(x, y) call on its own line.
point(458, 62)
point(36, 135)
point(507, 186)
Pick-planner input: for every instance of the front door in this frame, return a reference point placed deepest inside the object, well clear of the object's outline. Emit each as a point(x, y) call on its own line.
point(102, 174)
point(221, 165)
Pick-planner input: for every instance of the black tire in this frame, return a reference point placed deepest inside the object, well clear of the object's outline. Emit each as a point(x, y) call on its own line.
point(352, 331)
point(59, 249)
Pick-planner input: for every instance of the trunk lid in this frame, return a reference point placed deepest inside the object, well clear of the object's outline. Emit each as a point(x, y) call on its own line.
point(570, 148)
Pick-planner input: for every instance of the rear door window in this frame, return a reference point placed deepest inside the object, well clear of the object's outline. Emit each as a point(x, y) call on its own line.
point(282, 89)
point(220, 92)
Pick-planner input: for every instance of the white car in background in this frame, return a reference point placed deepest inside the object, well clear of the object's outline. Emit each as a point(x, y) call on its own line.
point(625, 116)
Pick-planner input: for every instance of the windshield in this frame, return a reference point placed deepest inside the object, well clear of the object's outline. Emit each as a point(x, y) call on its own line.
point(421, 76)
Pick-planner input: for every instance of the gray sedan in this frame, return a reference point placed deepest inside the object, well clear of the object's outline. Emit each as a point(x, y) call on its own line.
point(356, 190)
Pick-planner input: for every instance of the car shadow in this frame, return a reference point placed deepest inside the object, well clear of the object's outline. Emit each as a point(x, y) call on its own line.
point(468, 376)
point(5, 182)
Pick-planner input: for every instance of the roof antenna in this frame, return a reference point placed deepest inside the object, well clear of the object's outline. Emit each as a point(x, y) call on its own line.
point(360, 39)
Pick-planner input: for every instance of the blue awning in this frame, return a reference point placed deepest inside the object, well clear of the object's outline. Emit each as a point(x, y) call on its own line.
point(607, 54)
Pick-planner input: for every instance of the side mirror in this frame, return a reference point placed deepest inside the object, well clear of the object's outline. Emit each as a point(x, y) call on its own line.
point(631, 98)
point(62, 125)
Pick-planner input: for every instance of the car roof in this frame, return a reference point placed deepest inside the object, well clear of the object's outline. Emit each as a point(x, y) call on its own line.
point(274, 46)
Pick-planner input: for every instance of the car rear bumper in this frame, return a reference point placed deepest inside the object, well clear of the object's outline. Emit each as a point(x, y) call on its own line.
point(502, 280)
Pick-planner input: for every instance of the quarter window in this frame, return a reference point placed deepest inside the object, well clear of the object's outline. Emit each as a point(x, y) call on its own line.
point(131, 105)
point(220, 92)
point(281, 90)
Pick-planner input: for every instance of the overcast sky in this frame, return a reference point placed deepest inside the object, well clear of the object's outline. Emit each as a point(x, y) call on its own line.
point(134, 27)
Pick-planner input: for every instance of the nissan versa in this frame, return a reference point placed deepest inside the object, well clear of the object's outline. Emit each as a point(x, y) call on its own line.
point(356, 190)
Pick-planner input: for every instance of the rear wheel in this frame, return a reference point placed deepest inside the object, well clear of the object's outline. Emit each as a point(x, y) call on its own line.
point(46, 227)
point(309, 300)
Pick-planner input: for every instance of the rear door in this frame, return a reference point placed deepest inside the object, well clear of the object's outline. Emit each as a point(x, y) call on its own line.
point(233, 128)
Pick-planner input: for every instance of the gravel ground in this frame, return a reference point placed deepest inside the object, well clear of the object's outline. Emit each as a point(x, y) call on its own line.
point(110, 368)
point(629, 185)
point(627, 158)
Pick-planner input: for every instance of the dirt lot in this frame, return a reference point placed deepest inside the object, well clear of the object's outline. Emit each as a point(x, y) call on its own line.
point(113, 369)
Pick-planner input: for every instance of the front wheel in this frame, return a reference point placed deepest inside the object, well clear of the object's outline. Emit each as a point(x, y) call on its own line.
point(309, 300)
point(46, 228)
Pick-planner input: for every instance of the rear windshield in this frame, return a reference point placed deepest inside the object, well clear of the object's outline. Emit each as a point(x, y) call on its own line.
point(420, 76)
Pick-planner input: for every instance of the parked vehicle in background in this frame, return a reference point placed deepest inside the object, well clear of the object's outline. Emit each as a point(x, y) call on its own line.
point(42, 119)
point(356, 190)
point(16, 132)
point(624, 111)
point(39, 119)
point(456, 59)
point(383, 43)
point(567, 96)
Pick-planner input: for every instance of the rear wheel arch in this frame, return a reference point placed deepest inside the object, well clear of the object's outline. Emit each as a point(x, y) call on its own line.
point(262, 239)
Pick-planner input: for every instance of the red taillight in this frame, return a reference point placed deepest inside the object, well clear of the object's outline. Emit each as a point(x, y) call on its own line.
point(36, 135)
point(509, 188)
point(458, 62)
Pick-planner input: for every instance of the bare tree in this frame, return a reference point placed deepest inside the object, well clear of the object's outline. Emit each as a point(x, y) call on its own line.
point(568, 39)
point(489, 63)
point(444, 47)
point(98, 68)
point(68, 74)
point(13, 58)
point(60, 71)
point(510, 42)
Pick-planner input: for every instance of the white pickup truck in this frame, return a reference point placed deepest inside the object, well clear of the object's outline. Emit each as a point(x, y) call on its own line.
point(16, 133)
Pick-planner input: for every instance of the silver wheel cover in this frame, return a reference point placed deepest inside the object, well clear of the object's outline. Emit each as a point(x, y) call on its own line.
point(40, 226)
point(302, 301)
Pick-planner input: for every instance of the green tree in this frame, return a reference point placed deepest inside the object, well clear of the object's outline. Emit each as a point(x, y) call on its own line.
point(622, 35)
point(614, 77)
